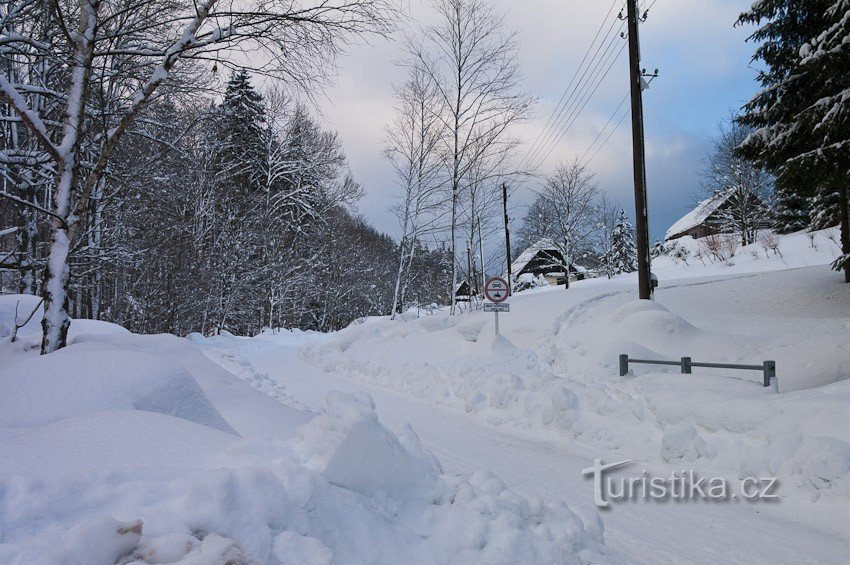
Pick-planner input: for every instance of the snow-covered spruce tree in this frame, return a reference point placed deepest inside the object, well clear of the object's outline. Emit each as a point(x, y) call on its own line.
point(802, 114)
point(825, 208)
point(134, 48)
point(791, 211)
point(623, 247)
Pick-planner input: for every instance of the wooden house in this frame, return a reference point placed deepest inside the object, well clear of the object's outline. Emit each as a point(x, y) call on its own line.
point(544, 258)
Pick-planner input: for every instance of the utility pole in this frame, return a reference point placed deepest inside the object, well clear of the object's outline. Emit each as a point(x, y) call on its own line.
point(641, 216)
point(507, 232)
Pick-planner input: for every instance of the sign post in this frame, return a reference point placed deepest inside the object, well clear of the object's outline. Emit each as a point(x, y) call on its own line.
point(496, 290)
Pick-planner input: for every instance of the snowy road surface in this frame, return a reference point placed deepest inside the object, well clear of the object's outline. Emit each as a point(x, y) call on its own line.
point(647, 532)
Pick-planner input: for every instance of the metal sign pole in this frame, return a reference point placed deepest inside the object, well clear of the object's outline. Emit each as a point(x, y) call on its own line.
point(497, 321)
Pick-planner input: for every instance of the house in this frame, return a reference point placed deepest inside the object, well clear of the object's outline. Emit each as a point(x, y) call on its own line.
point(544, 258)
point(707, 217)
point(462, 293)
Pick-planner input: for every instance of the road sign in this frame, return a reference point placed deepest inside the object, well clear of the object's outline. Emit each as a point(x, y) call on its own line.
point(489, 307)
point(496, 290)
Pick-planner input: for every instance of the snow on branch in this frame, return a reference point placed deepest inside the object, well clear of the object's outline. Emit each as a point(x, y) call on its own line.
point(30, 118)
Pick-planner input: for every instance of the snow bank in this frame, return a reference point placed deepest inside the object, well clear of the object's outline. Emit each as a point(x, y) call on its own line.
point(16, 308)
point(691, 257)
point(556, 370)
point(93, 377)
point(123, 449)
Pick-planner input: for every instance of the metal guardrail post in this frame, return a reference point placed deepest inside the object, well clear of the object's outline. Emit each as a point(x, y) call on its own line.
point(769, 372)
point(768, 368)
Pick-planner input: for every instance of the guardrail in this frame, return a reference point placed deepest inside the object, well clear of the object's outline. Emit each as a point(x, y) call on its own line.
point(768, 368)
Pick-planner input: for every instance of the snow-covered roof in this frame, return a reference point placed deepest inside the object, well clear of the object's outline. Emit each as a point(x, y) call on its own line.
point(698, 215)
point(543, 244)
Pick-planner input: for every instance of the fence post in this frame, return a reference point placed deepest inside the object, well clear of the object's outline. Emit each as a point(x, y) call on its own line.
point(686, 365)
point(624, 364)
point(769, 372)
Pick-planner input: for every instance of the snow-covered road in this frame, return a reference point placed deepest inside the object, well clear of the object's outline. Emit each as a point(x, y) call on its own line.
point(649, 532)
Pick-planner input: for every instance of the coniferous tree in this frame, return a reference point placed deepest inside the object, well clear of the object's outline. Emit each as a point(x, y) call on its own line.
point(623, 248)
point(241, 124)
point(802, 114)
point(791, 211)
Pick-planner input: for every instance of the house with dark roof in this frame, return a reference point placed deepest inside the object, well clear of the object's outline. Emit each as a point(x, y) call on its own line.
point(707, 218)
point(544, 258)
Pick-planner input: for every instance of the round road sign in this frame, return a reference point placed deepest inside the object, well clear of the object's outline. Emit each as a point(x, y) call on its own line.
point(496, 290)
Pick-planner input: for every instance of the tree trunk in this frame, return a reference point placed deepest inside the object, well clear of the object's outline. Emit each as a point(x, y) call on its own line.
point(57, 274)
point(845, 228)
point(27, 237)
point(452, 290)
point(56, 319)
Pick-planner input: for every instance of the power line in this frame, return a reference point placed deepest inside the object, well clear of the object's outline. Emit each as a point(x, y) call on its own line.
point(601, 131)
point(577, 99)
point(545, 131)
point(581, 108)
point(598, 149)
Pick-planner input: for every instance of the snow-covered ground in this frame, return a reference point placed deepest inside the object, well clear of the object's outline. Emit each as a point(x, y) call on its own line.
point(428, 440)
point(138, 449)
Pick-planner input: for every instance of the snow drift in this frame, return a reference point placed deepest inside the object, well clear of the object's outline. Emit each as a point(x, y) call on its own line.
point(124, 448)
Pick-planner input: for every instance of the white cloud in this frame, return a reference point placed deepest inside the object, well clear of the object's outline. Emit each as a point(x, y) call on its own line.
point(704, 73)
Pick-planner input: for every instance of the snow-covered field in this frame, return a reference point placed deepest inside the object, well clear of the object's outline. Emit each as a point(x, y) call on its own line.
point(428, 440)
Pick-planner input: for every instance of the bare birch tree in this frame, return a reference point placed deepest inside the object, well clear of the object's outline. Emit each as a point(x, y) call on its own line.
point(472, 59)
point(570, 192)
point(412, 148)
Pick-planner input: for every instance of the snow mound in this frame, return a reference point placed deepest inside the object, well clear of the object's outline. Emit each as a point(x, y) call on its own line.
point(16, 308)
point(346, 490)
point(560, 374)
point(94, 377)
point(139, 449)
point(359, 454)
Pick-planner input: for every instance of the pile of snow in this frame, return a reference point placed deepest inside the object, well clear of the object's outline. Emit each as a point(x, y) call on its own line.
point(556, 370)
point(26, 311)
point(138, 449)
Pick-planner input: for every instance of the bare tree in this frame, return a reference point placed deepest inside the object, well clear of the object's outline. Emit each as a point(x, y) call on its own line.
point(570, 192)
point(746, 187)
point(135, 45)
point(412, 148)
point(607, 214)
point(473, 62)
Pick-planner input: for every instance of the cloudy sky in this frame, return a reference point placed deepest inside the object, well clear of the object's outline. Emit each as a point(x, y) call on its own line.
point(705, 73)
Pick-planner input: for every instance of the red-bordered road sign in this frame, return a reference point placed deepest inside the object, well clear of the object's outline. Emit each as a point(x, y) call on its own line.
point(496, 290)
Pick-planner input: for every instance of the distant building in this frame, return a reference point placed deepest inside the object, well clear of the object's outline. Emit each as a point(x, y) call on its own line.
point(706, 218)
point(544, 258)
point(462, 293)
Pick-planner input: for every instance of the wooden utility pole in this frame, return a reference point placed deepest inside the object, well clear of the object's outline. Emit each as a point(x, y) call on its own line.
point(641, 216)
point(507, 232)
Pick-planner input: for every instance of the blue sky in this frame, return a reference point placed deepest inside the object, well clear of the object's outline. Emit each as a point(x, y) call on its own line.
point(705, 73)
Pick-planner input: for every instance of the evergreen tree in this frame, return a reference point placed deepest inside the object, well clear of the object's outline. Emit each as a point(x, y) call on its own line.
point(802, 114)
point(825, 209)
point(241, 125)
point(791, 211)
point(623, 248)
